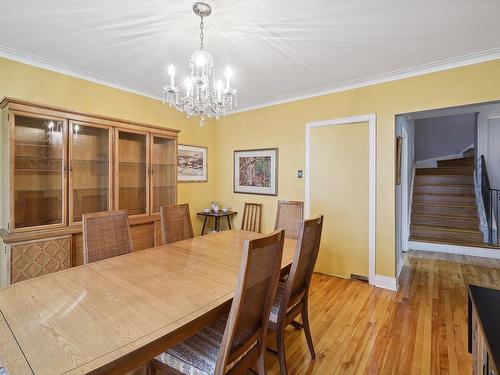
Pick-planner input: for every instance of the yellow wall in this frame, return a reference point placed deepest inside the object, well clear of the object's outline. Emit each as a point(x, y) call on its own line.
point(283, 126)
point(339, 191)
point(277, 126)
point(42, 86)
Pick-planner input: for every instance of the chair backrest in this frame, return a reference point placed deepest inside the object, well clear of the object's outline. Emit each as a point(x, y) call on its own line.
point(289, 216)
point(306, 254)
point(252, 217)
point(105, 235)
point(254, 296)
point(175, 223)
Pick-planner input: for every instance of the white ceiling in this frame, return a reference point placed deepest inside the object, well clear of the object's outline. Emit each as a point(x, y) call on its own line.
point(278, 49)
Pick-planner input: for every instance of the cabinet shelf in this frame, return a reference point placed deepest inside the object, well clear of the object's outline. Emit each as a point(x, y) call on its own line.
point(38, 170)
point(90, 161)
point(27, 144)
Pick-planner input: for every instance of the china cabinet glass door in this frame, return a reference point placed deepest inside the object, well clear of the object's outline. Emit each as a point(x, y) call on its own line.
point(39, 171)
point(90, 172)
point(132, 168)
point(163, 172)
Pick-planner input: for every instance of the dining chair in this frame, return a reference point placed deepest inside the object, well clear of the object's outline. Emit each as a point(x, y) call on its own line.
point(289, 216)
point(235, 342)
point(292, 295)
point(252, 217)
point(175, 223)
point(105, 235)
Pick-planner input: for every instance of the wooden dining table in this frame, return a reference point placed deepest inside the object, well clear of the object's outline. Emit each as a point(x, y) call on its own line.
point(114, 315)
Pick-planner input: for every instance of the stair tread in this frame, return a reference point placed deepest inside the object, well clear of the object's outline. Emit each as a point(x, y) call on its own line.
point(441, 184)
point(472, 218)
point(445, 194)
point(445, 175)
point(445, 228)
point(456, 159)
point(444, 205)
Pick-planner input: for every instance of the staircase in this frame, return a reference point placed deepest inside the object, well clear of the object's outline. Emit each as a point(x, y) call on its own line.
point(444, 208)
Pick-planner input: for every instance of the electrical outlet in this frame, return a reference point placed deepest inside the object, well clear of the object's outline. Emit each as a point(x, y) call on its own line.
point(299, 173)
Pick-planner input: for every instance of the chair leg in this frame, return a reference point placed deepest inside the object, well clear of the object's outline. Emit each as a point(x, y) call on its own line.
point(261, 363)
point(307, 331)
point(280, 346)
point(151, 369)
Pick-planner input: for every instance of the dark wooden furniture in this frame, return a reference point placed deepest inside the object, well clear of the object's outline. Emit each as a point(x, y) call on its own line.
point(289, 216)
point(105, 235)
point(58, 164)
point(176, 223)
point(484, 329)
point(217, 219)
point(293, 294)
point(234, 343)
point(252, 217)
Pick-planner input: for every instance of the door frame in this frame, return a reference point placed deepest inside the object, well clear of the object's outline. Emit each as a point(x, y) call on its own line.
point(371, 119)
point(405, 219)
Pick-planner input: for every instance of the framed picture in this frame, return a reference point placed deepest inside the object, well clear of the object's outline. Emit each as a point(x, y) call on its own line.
point(399, 146)
point(256, 171)
point(192, 163)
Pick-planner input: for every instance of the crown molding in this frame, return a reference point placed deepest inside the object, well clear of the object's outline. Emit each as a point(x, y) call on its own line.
point(457, 62)
point(41, 62)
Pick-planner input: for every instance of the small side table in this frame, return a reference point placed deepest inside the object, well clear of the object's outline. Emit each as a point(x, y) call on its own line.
point(217, 217)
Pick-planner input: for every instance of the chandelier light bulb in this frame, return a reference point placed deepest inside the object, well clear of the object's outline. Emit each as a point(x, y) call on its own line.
point(200, 60)
point(228, 74)
point(219, 91)
point(171, 73)
point(171, 70)
point(188, 84)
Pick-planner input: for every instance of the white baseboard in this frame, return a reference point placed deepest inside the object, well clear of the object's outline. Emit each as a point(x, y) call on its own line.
point(455, 249)
point(386, 282)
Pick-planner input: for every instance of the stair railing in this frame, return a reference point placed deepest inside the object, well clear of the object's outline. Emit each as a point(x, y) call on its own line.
point(491, 202)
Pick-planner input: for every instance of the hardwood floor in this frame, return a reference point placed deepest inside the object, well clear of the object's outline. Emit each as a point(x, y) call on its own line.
point(421, 329)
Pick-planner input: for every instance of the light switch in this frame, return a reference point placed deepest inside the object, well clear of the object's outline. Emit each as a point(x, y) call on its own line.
point(299, 173)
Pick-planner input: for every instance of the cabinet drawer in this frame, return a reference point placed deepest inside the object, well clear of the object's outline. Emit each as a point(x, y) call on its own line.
point(36, 258)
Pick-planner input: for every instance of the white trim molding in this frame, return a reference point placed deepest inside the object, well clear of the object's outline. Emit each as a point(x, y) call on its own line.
point(40, 62)
point(457, 62)
point(372, 173)
point(386, 282)
point(455, 249)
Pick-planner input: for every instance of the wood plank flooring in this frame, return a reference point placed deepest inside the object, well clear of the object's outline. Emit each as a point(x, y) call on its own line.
point(421, 329)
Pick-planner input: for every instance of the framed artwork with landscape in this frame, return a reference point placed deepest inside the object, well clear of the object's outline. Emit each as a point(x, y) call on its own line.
point(256, 171)
point(192, 163)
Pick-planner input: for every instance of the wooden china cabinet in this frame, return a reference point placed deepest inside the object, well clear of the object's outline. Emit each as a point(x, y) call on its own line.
point(59, 164)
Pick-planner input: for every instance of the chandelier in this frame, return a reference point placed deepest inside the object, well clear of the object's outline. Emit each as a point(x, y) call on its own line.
point(202, 95)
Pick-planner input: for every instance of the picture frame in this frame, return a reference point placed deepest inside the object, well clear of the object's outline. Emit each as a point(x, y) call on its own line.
point(399, 149)
point(192, 163)
point(256, 171)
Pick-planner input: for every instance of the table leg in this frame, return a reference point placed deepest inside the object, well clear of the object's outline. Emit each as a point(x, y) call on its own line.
point(229, 222)
point(216, 226)
point(204, 223)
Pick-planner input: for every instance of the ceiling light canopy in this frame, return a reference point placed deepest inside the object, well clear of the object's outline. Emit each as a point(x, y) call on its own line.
point(202, 95)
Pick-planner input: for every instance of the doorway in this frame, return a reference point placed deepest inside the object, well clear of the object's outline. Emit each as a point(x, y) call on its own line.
point(340, 183)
